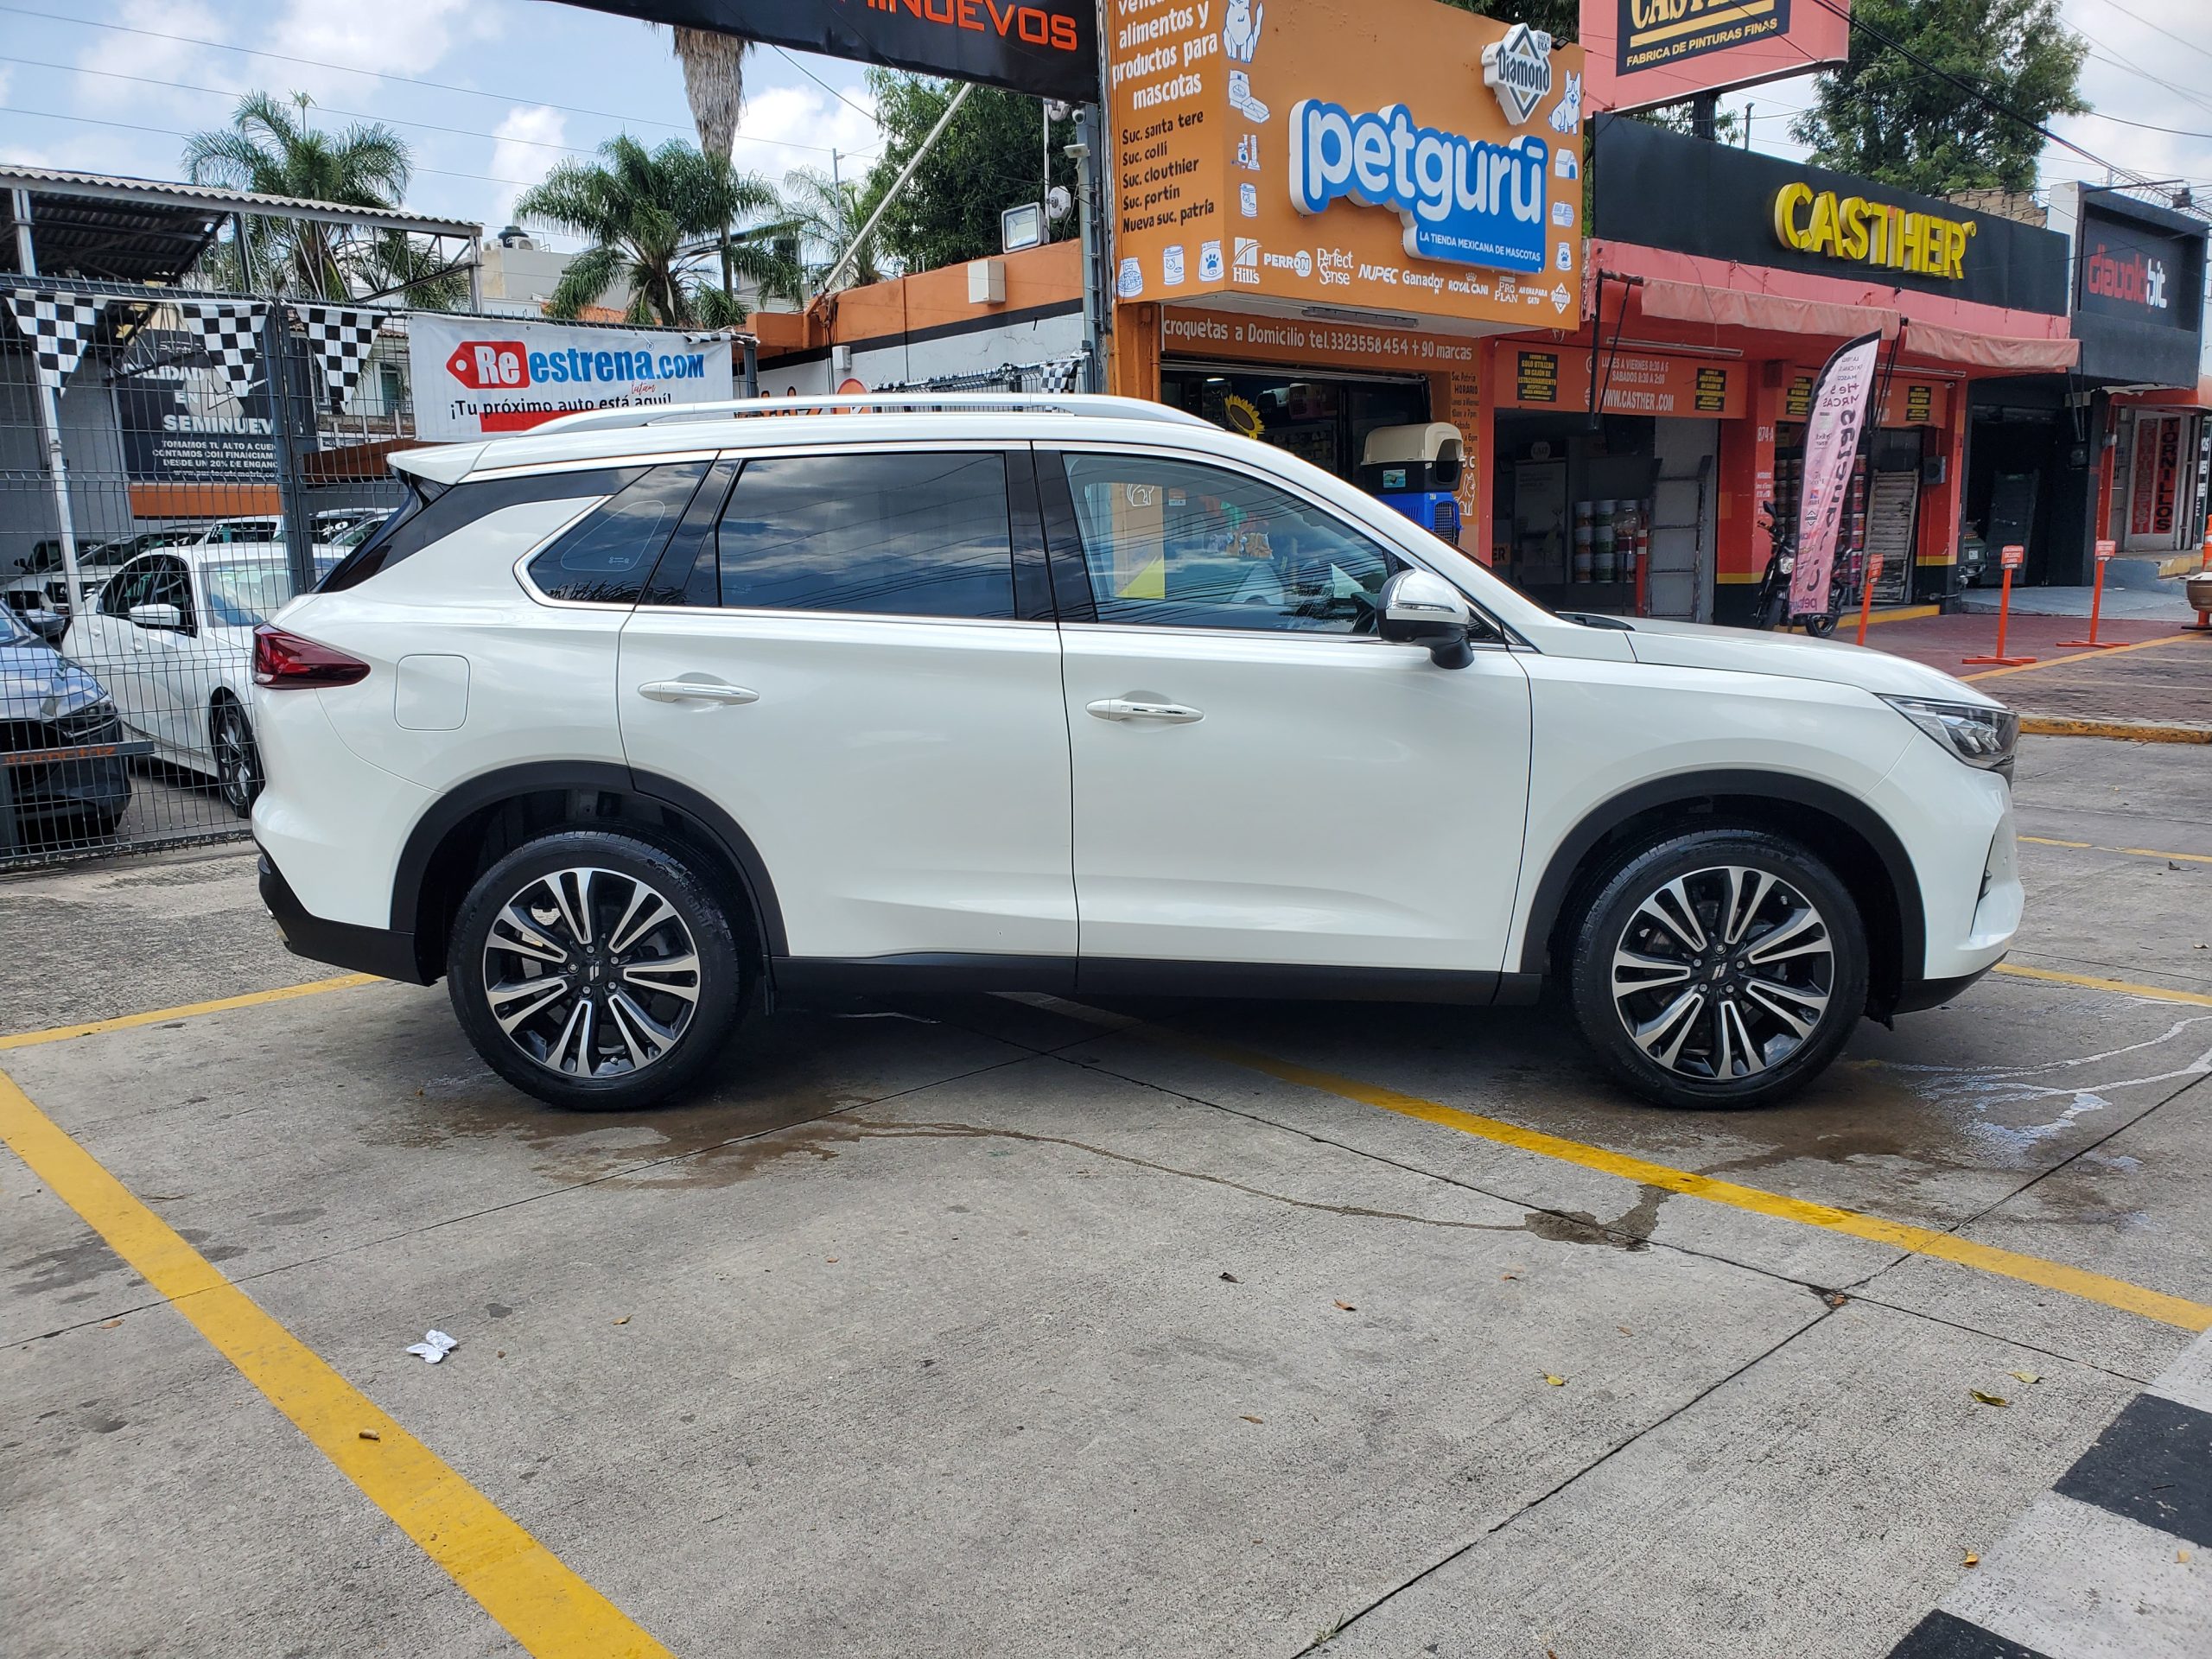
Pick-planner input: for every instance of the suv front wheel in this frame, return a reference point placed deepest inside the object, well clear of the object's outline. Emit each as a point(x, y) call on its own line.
point(595, 971)
point(1720, 968)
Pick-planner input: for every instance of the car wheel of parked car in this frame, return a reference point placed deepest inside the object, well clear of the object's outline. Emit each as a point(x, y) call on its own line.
point(595, 971)
point(1719, 968)
point(237, 759)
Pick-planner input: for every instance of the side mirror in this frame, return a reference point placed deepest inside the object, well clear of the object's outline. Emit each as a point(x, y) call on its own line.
point(157, 616)
point(49, 626)
point(1419, 608)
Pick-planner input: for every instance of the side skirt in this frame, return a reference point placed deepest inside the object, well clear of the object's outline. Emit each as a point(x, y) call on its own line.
point(803, 980)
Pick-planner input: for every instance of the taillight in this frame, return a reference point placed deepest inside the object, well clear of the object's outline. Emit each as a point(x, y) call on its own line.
point(283, 661)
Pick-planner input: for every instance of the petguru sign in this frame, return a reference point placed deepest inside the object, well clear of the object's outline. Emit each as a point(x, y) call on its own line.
point(480, 377)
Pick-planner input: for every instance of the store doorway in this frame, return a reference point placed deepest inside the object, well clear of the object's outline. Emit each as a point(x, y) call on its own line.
point(1321, 418)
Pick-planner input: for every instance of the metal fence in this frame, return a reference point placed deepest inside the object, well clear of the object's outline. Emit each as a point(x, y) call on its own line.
point(174, 465)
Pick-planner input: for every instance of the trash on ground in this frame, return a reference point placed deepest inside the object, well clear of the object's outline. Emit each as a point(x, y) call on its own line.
point(1972, 1560)
point(2027, 1377)
point(1556, 1381)
point(1989, 1399)
point(371, 1434)
point(433, 1347)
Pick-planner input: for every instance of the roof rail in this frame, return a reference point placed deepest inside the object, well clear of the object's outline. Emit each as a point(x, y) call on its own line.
point(1025, 403)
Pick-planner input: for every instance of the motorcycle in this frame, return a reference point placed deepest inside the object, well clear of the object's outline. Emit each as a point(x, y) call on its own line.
point(1771, 608)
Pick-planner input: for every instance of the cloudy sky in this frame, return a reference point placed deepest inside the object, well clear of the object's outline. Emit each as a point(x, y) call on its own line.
point(492, 93)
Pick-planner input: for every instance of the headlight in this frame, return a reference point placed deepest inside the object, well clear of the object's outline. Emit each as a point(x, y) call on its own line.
point(96, 722)
point(1981, 737)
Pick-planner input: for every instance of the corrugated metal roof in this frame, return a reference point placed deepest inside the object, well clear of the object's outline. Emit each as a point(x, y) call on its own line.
point(42, 180)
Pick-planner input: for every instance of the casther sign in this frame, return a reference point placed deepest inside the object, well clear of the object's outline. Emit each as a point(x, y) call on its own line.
point(1648, 52)
point(1048, 47)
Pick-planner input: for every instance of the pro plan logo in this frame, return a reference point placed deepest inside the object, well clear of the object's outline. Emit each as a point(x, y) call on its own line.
point(1519, 70)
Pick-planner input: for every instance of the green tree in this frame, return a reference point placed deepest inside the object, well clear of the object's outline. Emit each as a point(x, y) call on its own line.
point(646, 212)
point(270, 148)
point(827, 215)
point(1885, 117)
point(714, 86)
point(989, 159)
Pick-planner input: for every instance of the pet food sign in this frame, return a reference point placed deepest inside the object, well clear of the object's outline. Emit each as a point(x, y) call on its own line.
point(1295, 149)
point(480, 377)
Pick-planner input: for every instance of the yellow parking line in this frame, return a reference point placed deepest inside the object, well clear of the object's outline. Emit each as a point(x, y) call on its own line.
point(2089, 982)
point(160, 1016)
point(1921, 1241)
point(2061, 662)
point(2132, 852)
point(551, 1611)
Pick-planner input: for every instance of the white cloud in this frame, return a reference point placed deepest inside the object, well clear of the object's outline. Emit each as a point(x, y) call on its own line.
point(785, 127)
point(158, 64)
point(404, 37)
point(520, 152)
point(7, 75)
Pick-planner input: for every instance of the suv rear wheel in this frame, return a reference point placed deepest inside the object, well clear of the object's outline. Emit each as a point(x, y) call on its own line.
point(1720, 968)
point(595, 971)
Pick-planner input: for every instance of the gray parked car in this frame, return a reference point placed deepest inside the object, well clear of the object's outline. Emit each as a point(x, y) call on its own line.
point(48, 703)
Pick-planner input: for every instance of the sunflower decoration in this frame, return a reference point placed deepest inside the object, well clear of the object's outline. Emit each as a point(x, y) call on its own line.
point(1243, 416)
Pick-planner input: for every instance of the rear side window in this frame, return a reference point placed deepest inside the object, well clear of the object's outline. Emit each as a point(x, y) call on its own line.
point(898, 535)
point(431, 515)
point(606, 559)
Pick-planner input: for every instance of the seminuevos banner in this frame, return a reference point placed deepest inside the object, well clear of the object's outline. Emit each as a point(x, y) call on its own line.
point(1048, 47)
point(1831, 429)
point(479, 376)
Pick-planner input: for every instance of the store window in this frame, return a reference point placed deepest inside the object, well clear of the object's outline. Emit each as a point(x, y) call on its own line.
point(1170, 544)
point(1322, 419)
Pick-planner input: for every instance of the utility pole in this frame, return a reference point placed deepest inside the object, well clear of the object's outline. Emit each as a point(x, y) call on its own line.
point(1089, 193)
point(49, 410)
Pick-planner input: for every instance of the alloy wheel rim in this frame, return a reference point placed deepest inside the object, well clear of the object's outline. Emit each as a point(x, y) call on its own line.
point(591, 973)
point(1723, 974)
point(234, 762)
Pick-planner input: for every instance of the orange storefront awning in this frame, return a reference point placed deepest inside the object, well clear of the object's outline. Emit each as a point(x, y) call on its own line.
point(1779, 314)
point(2007, 352)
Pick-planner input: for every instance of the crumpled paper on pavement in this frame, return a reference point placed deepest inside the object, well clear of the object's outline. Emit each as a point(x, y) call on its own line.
point(433, 1347)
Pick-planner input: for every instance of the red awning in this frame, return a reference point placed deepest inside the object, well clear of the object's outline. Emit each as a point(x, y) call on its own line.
point(2009, 353)
point(1736, 307)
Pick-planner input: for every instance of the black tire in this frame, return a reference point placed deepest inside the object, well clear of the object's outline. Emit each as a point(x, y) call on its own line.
point(238, 757)
point(1819, 625)
point(1715, 1040)
point(1771, 613)
point(639, 1040)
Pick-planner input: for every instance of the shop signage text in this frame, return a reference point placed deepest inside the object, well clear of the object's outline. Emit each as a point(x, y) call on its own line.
point(469, 386)
point(1870, 233)
point(1049, 47)
point(1519, 70)
point(1636, 383)
point(1647, 52)
point(1461, 199)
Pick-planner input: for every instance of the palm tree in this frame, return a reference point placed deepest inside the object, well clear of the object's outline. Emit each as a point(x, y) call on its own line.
point(645, 212)
point(269, 148)
point(714, 86)
point(828, 214)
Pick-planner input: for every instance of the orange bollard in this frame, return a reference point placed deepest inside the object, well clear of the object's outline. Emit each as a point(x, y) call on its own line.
point(2104, 550)
point(2015, 557)
point(1866, 592)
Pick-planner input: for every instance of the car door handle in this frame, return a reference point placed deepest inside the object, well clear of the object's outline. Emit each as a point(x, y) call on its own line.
point(1168, 714)
point(696, 691)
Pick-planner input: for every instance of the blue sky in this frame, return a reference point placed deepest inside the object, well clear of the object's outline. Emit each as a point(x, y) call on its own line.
point(541, 80)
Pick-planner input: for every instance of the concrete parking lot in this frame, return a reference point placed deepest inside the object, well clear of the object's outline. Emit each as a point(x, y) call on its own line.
point(998, 1327)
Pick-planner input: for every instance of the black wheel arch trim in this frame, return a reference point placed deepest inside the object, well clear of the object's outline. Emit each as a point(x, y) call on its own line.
point(1682, 789)
point(489, 789)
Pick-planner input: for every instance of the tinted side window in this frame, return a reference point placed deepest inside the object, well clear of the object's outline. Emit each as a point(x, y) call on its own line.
point(430, 517)
point(901, 535)
point(128, 588)
point(606, 559)
point(171, 585)
point(1167, 544)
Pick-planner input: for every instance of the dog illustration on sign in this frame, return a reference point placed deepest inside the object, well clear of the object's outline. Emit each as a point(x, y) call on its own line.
point(1240, 29)
point(1567, 117)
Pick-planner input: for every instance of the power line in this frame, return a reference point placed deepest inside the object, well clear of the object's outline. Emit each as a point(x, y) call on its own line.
point(873, 119)
point(2156, 28)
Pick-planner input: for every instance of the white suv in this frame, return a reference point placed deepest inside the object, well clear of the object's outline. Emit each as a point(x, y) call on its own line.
point(650, 717)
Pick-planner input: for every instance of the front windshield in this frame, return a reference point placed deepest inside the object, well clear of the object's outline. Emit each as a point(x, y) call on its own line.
point(245, 593)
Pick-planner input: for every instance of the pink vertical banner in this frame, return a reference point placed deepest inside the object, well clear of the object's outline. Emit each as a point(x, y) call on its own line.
point(1832, 430)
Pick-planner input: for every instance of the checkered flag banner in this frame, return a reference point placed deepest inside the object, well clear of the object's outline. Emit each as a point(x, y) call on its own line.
point(1061, 376)
point(59, 324)
point(230, 332)
point(340, 337)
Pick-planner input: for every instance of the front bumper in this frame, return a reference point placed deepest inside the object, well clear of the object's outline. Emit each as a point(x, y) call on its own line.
point(60, 791)
point(382, 951)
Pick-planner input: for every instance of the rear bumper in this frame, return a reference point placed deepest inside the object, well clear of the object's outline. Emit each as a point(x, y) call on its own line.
point(382, 951)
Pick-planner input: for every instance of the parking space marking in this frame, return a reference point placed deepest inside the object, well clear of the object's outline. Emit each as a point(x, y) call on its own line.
point(2087, 982)
point(160, 1016)
point(2132, 852)
point(1920, 1241)
point(538, 1600)
point(2061, 662)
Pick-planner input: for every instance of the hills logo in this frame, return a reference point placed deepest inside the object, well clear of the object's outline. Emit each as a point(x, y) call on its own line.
point(1519, 70)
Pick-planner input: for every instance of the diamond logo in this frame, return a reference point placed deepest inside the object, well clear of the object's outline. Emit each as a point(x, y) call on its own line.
point(1561, 299)
point(1519, 70)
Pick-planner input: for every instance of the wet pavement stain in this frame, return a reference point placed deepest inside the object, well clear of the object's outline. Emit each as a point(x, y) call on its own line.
point(1631, 1230)
point(66, 1268)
